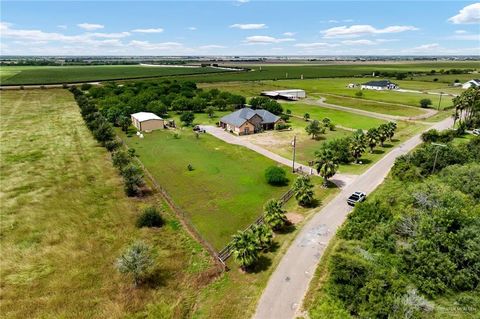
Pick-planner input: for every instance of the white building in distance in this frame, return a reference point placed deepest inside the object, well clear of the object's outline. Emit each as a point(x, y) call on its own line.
point(472, 83)
point(379, 85)
point(293, 94)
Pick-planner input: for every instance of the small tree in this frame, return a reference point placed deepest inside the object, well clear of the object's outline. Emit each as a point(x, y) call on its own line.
point(187, 118)
point(372, 138)
point(392, 127)
point(274, 215)
point(263, 236)
point(245, 250)
point(314, 129)
point(150, 217)
point(136, 261)
point(326, 164)
point(357, 145)
point(210, 111)
point(306, 116)
point(382, 133)
point(425, 103)
point(359, 94)
point(124, 122)
point(276, 176)
point(303, 189)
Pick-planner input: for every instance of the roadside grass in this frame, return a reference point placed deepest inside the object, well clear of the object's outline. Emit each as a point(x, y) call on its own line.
point(235, 294)
point(247, 89)
point(338, 86)
point(225, 191)
point(69, 74)
point(447, 78)
point(342, 118)
point(65, 220)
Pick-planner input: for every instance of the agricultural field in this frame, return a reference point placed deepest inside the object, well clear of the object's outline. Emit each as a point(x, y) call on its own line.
point(65, 220)
point(226, 189)
point(18, 75)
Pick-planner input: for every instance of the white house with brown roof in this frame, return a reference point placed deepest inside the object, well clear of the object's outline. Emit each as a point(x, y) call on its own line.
point(146, 121)
point(472, 83)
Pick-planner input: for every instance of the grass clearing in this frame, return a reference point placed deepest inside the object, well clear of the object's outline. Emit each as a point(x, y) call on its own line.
point(226, 190)
point(65, 220)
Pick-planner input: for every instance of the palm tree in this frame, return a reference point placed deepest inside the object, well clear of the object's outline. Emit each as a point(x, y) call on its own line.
point(303, 189)
point(357, 145)
point(372, 138)
point(274, 214)
point(382, 133)
point(326, 164)
point(244, 248)
point(263, 236)
point(392, 127)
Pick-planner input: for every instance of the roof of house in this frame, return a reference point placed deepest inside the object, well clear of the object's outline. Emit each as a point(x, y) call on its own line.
point(476, 81)
point(381, 83)
point(241, 116)
point(145, 116)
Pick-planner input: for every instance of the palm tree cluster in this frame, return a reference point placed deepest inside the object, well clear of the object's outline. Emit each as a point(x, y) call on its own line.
point(467, 107)
point(303, 190)
point(248, 244)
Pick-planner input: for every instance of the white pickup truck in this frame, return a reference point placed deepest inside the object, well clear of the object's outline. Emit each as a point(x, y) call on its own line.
point(356, 198)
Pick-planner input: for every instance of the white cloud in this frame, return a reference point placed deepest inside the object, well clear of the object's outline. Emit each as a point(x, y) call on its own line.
point(461, 32)
point(466, 36)
point(90, 26)
point(359, 42)
point(249, 26)
point(426, 48)
point(468, 15)
point(62, 26)
point(117, 35)
point(192, 28)
point(289, 34)
point(263, 39)
point(150, 30)
point(149, 46)
point(359, 30)
point(243, 1)
point(211, 46)
point(315, 45)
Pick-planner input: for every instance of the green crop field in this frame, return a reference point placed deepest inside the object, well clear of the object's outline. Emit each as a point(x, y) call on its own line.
point(226, 190)
point(13, 75)
point(65, 220)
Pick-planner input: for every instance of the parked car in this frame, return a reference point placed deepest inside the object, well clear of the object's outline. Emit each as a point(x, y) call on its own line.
point(476, 131)
point(356, 197)
point(199, 129)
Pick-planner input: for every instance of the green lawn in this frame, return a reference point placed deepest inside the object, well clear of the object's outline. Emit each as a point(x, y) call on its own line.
point(65, 220)
point(17, 75)
point(345, 119)
point(226, 190)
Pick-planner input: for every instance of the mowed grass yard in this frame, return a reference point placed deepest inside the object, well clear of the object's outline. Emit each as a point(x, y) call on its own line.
point(18, 75)
point(226, 190)
point(65, 220)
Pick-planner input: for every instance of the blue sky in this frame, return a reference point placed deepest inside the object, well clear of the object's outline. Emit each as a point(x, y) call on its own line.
point(240, 27)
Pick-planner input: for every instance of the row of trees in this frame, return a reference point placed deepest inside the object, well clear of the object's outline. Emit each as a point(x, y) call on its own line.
point(417, 240)
point(103, 132)
point(116, 102)
point(349, 149)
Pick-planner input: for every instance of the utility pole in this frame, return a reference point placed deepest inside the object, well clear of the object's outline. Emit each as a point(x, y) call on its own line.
point(436, 155)
point(294, 144)
point(440, 101)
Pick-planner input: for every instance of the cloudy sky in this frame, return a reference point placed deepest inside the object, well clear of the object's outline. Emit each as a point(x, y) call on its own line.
point(240, 27)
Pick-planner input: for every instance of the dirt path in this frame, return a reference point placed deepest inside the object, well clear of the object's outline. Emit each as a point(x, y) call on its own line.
point(283, 296)
point(341, 180)
point(321, 102)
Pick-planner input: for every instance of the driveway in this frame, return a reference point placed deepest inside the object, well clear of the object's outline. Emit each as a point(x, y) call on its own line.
point(341, 180)
point(286, 288)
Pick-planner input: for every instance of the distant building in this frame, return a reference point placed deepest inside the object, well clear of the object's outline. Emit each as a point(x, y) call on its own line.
point(472, 83)
point(247, 121)
point(293, 94)
point(379, 85)
point(351, 85)
point(146, 121)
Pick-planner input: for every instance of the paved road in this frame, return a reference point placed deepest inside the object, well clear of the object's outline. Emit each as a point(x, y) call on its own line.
point(321, 102)
point(341, 180)
point(287, 286)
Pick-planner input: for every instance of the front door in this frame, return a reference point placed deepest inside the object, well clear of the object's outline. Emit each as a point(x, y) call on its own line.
point(246, 131)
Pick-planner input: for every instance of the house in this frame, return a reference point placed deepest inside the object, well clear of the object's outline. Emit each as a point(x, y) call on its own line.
point(247, 121)
point(351, 85)
point(294, 94)
point(379, 85)
point(146, 121)
point(472, 83)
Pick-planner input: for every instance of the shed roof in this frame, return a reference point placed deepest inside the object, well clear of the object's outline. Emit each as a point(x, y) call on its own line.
point(241, 116)
point(146, 116)
point(381, 83)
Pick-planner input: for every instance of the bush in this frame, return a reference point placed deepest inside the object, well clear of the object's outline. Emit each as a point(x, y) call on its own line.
point(359, 94)
point(425, 103)
point(150, 217)
point(281, 126)
point(187, 118)
point(112, 145)
point(276, 176)
point(85, 86)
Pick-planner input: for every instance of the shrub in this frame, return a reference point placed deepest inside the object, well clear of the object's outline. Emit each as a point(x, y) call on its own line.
point(276, 176)
point(120, 159)
point(281, 126)
point(112, 145)
point(150, 217)
point(424, 103)
point(187, 118)
point(359, 94)
point(85, 86)
point(136, 261)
